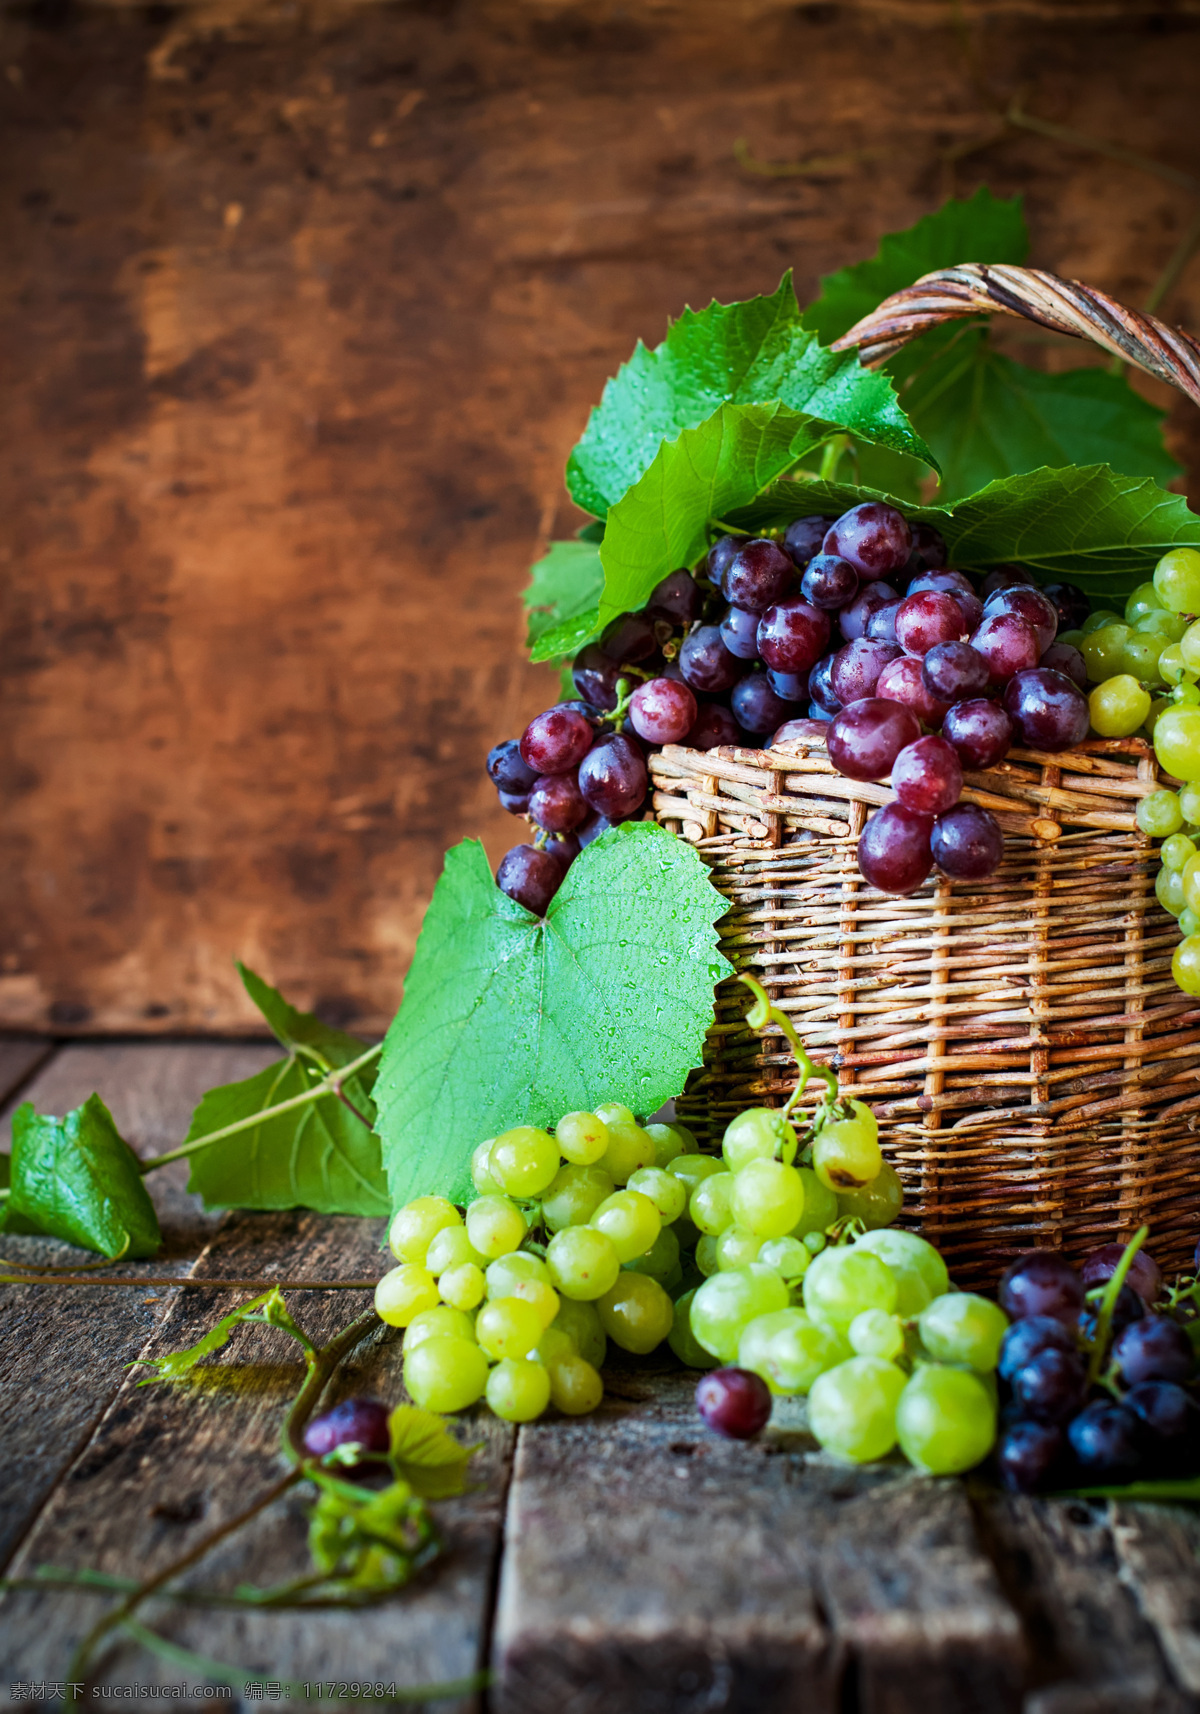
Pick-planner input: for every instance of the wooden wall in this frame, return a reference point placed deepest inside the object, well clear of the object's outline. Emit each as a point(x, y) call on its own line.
point(301, 309)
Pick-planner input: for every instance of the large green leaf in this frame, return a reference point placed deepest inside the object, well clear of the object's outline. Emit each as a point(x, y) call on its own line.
point(76, 1178)
point(756, 352)
point(510, 1019)
point(320, 1155)
point(562, 597)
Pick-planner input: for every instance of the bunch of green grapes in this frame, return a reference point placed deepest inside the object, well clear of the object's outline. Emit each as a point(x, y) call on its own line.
point(1137, 660)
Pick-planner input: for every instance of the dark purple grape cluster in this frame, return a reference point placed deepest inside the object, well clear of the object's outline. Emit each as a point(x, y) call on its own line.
point(1141, 1420)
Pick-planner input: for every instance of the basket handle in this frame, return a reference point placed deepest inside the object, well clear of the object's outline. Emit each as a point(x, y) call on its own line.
point(1066, 306)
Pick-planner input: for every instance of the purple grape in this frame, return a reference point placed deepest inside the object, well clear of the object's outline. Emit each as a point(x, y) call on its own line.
point(516, 803)
point(927, 777)
point(629, 637)
point(853, 620)
point(595, 676)
point(758, 575)
point(893, 849)
point(967, 843)
point(1005, 577)
point(739, 633)
point(874, 537)
point(954, 671)
point(1026, 1338)
point(662, 711)
point(612, 777)
point(1007, 644)
point(358, 1422)
point(1028, 1455)
point(927, 618)
point(820, 684)
point(802, 540)
point(506, 770)
point(928, 547)
point(881, 626)
point(530, 876)
point(579, 706)
point(792, 636)
point(1154, 1349)
point(901, 681)
point(706, 663)
point(734, 1403)
point(820, 715)
point(556, 741)
point(1105, 1438)
point(1170, 1423)
point(719, 556)
point(1041, 1282)
point(1128, 1307)
point(811, 731)
point(980, 731)
point(792, 687)
point(954, 584)
point(1144, 1275)
point(1052, 1386)
point(1030, 605)
point(1070, 603)
point(857, 666)
point(829, 582)
point(565, 847)
point(867, 736)
point(1048, 711)
point(714, 725)
point(555, 803)
point(1065, 658)
point(677, 599)
point(756, 706)
point(588, 830)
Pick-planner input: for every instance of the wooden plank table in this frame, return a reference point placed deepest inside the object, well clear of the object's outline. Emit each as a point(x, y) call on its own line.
point(629, 1563)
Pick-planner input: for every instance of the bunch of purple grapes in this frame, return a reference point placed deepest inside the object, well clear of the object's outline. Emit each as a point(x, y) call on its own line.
point(1140, 1421)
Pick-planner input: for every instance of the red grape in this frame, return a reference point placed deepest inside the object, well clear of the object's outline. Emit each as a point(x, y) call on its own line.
point(1052, 1386)
point(565, 847)
point(812, 731)
point(595, 676)
point(714, 725)
point(629, 637)
point(516, 803)
point(958, 587)
point(1005, 577)
point(1028, 1455)
point(867, 736)
point(853, 620)
point(893, 849)
point(820, 687)
point(953, 671)
point(881, 626)
point(588, 830)
point(1025, 1338)
point(735, 1403)
point(901, 681)
point(506, 770)
point(980, 731)
point(354, 1422)
point(719, 556)
point(1009, 645)
point(758, 575)
point(793, 635)
point(530, 876)
point(967, 843)
point(1041, 1282)
point(756, 706)
point(1048, 710)
point(802, 540)
point(612, 777)
point(1030, 605)
point(662, 711)
point(677, 598)
point(555, 803)
point(739, 633)
point(792, 687)
point(1070, 603)
point(706, 663)
point(926, 618)
point(1105, 1439)
point(928, 547)
point(1144, 1274)
point(857, 666)
point(1066, 658)
point(829, 582)
point(556, 741)
point(874, 537)
point(927, 776)
point(1154, 1349)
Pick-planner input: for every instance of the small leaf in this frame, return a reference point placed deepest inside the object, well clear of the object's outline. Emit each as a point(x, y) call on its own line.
point(426, 1454)
point(514, 1019)
point(76, 1178)
point(564, 585)
point(328, 1046)
point(567, 637)
point(177, 1365)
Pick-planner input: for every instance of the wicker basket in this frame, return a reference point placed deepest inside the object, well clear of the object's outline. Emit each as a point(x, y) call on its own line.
point(1034, 1068)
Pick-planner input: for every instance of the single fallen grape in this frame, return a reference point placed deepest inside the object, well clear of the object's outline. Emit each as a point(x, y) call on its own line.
point(518, 1390)
point(852, 1408)
point(734, 1403)
point(404, 1292)
point(843, 1281)
point(726, 1302)
point(789, 1349)
point(358, 1422)
point(1160, 814)
point(415, 1226)
point(945, 1421)
point(915, 1265)
point(876, 1204)
point(961, 1327)
point(583, 1262)
point(636, 1312)
point(445, 1374)
point(874, 1333)
point(495, 1225)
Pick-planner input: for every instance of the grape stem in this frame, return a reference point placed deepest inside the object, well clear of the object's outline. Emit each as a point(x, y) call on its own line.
point(761, 1016)
point(1108, 1302)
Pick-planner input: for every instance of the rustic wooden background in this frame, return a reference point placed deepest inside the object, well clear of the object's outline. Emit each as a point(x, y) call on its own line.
point(302, 306)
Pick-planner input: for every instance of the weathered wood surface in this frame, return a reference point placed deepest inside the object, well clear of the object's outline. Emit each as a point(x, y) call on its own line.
point(303, 307)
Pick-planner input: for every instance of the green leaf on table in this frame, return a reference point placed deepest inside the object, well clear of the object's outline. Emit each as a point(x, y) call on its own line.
point(426, 1454)
point(319, 1155)
point(564, 589)
point(178, 1365)
point(512, 1019)
point(755, 352)
point(76, 1178)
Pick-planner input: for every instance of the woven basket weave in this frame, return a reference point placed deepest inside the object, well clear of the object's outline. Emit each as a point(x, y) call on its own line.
point(1034, 1068)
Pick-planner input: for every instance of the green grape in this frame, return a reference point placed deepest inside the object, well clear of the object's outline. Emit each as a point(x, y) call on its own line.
point(725, 1302)
point(1167, 627)
point(706, 1256)
point(1189, 647)
point(450, 1248)
point(683, 1341)
point(581, 1324)
point(814, 1242)
point(1186, 695)
point(415, 1226)
point(787, 1256)
point(768, 1198)
point(524, 1276)
point(757, 1134)
point(445, 1374)
point(630, 1220)
point(876, 1204)
point(710, 1204)
point(1161, 816)
point(463, 1287)
point(481, 1178)
point(1185, 965)
point(1177, 744)
point(575, 1195)
point(1102, 650)
point(1171, 665)
point(789, 1350)
point(960, 1327)
point(737, 1248)
point(852, 1408)
point(1169, 889)
point(846, 1155)
point(404, 1293)
point(1189, 876)
point(692, 1170)
point(509, 1327)
point(1098, 620)
point(612, 1113)
point(1189, 803)
point(524, 1160)
point(1189, 921)
point(820, 1205)
point(582, 1138)
point(439, 1322)
point(518, 1390)
point(1118, 706)
point(919, 1271)
point(670, 1141)
point(945, 1421)
point(553, 1347)
point(1158, 705)
point(495, 1226)
point(1145, 599)
point(583, 1262)
point(575, 1387)
point(873, 1333)
point(628, 1149)
point(843, 1280)
point(636, 1313)
point(1177, 580)
point(661, 1259)
point(1139, 658)
point(664, 1190)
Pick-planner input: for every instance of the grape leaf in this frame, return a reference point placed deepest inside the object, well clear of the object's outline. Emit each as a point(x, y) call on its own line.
point(426, 1454)
point(510, 1019)
point(319, 1156)
point(563, 591)
point(77, 1178)
point(754, 352)
point(567, 637)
